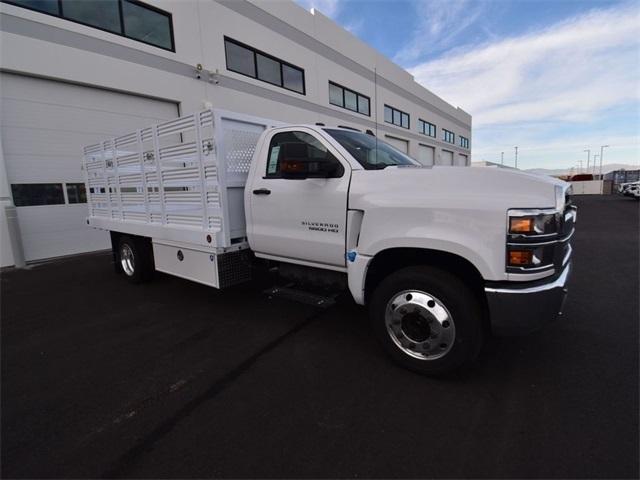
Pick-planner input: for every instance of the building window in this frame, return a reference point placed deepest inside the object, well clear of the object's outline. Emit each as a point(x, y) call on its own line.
point(30, 194)
point(426, 128)
point(343, 97)
point(127, 18)
point(396, 117)
point(147, 25)
point(448, 136)
point(253, 63)
point(464, 142)
point(102, 14)
point(51, 7)
point(76, 193)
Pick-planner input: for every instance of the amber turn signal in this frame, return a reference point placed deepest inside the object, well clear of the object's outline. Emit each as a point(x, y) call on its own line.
point(520, 258)
point(521, 225)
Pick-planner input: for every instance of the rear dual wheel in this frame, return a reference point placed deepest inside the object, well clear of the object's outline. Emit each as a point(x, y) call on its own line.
point(427, 319)
point(135, 258)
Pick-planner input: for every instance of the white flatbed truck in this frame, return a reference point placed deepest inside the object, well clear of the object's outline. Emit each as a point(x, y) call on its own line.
point(208, 196)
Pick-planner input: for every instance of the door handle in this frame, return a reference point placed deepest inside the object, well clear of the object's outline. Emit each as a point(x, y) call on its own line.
point(262, 191)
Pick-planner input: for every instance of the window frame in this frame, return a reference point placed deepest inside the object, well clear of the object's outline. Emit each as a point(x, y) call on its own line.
point(81, 186)
point(393, 110)
point(445, 133)
point(426, 128)
point(464, 142)
point(122, 32)
point(22, 205)
point(278, 176)
point(255, 52)
point(344, 99)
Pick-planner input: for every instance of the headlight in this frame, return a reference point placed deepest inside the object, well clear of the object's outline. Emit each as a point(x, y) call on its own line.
point(533, 222)
point(530, 239)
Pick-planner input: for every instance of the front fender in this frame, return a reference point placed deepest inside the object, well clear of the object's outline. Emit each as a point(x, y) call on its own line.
point(446, 246)
point(478, 237)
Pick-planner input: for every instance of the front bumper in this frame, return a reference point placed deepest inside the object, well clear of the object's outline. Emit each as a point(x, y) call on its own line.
point(522, 309)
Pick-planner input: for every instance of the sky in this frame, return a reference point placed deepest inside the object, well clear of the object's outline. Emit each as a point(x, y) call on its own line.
point(553, 77)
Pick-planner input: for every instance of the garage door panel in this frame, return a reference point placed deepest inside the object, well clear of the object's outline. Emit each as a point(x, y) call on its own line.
point(399, 143)
point(461, 160)
point(45, 125)
point(57, 169)
point(49, 231)
point(27, 114)
point(65, 94)
point(426, 155)
point(23, 141)
point(446, 158)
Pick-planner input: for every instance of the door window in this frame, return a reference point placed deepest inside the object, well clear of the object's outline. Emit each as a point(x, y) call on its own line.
point(299, 146)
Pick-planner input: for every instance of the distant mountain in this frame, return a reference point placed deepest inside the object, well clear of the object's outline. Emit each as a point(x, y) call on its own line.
point(609, 167)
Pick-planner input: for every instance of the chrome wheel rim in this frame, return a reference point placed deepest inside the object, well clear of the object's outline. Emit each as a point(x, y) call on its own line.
point(127, 260)
point(420, 325)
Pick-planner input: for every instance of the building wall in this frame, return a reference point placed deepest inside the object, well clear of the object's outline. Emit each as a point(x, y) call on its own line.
point(39, 45)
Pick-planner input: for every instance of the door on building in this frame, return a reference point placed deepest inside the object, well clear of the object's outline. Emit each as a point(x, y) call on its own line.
point(45, 124)
point(399, 143)
point(462, 160)
point(446, 158)
point(426, 155)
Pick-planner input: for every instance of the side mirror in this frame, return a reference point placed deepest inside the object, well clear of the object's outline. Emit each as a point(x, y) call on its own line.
point(296, 164)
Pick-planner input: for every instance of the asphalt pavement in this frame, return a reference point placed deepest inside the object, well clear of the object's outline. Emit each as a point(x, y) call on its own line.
point(173, 379)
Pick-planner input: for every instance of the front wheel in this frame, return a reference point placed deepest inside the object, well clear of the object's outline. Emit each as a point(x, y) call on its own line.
point(427, 319)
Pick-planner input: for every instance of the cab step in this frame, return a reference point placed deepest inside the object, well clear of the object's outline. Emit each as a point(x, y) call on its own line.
point(302, 296)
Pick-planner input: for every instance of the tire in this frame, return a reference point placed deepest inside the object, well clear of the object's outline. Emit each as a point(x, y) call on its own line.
point(135, 259)
point(427, 319)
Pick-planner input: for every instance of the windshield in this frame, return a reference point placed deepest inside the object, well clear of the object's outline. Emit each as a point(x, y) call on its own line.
point(371, 153)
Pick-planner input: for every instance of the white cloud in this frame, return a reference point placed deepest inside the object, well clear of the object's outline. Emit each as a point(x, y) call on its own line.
point(330, 8)
point(439, 22)
point(568, 72)
point(355, 27)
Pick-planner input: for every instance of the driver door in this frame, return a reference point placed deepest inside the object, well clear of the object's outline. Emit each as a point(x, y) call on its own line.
point(299, 205)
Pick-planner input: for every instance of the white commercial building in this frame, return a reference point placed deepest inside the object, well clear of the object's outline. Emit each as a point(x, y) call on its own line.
point(74, 73)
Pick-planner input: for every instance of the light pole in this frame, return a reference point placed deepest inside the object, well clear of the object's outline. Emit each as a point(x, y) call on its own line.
point(588, 157)
point(501, 158)
point(602, 147)
point(595, 161)
point(516, 156)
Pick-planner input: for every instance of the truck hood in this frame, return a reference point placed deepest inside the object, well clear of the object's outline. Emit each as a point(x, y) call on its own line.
point(482, 187)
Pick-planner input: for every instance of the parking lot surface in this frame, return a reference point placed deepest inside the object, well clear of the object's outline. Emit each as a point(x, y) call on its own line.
point(173, 379)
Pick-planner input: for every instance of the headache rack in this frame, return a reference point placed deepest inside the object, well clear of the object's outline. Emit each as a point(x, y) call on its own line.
point(179, 181)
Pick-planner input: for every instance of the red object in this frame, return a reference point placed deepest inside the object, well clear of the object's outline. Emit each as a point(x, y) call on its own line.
point(581, 177)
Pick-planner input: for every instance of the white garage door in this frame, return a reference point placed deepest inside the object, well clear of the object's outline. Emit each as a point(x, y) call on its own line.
point(426, 155)
point(446, 158)
point(461, 160)
point(400, 144)
point(45, 124)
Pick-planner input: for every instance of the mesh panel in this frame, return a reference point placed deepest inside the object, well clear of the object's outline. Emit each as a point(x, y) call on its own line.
point(240, 145)
point(234, 268)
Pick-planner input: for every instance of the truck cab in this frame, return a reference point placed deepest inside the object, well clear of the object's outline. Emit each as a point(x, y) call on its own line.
point(439, 265)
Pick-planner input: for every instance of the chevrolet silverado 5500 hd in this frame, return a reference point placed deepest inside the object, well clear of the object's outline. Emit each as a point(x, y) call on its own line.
point(441, 256)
